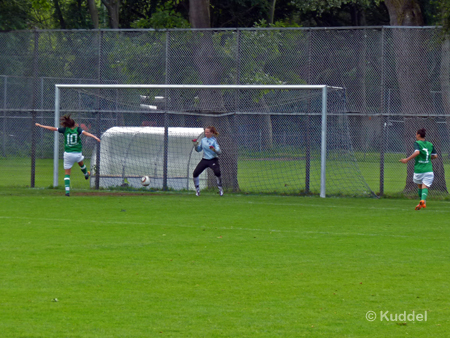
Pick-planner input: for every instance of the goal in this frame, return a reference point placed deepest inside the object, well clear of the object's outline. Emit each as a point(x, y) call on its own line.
point(286, 139)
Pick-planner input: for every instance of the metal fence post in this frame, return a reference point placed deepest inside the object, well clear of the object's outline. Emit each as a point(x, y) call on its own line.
point(56, 139)
point(5, 95)
point(99, 120)
point(308, 117)
point(166, 150)
point(33, 107)
point(384, 120)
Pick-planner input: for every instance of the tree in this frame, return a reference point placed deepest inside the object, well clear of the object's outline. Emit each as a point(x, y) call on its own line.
point(154, 14)
point(44, 14)
point(413, 80)
point(272, 11)
point(73, 14)
point(15, 14)
point(199, 14)
point(211, 101)
point(113, 7)
point(94, 13)
point(443, 18)
point(244, 13)
point(443, 14)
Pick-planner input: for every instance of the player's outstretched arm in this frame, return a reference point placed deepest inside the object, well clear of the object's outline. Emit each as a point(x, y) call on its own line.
point(90, 135)
point(46, 127)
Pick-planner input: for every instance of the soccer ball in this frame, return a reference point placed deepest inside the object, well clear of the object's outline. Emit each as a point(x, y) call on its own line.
point(145, 181)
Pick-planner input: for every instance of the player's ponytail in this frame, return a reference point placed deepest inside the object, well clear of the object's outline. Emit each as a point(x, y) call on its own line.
point(67, 121)
point(421, 132)
point(213, 130)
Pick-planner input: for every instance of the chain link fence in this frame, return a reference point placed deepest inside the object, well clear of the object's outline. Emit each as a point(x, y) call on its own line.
point(396, 81)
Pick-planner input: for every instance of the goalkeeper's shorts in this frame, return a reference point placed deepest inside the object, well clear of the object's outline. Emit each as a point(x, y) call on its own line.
point(424, 178)
point(71, 158)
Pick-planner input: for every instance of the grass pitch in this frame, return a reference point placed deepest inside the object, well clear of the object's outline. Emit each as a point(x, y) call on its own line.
point(117, 264)
point(254, 176)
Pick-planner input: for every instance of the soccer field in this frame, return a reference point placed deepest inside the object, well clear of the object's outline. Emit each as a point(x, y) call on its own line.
point(118, 264)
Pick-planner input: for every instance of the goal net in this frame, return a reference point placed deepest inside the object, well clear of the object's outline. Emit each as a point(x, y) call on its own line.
point(286, 139)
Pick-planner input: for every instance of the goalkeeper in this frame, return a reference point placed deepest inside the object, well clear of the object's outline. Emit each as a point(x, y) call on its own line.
point(424, 152)
point(211, 151)
point(72, 147)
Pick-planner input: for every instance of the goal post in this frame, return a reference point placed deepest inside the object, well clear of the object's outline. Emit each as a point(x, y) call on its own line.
point(270, 100)
point(323, 144)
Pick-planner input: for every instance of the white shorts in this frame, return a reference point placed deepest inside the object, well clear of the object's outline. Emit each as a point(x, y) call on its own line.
point(424, 178)
point(71, 158)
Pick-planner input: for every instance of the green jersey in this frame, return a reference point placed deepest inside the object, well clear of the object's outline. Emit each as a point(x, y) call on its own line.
point(72, 139)
point(423, 160)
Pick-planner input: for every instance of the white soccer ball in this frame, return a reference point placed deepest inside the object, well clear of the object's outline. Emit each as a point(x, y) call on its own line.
point(145, 181)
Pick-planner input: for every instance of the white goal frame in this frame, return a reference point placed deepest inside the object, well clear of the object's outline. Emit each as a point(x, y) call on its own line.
point(323, 88)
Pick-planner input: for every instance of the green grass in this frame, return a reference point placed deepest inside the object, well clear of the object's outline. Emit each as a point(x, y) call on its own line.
point(17, 172)
point(175, 265)
point(263, 175)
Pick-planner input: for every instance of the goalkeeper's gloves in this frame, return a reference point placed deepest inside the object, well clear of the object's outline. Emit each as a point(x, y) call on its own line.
point(195, 141)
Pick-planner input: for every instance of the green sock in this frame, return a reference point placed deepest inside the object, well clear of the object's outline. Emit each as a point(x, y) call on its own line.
point(83, 169)
point(67, 183)
point(420, 193)
point(424, 194)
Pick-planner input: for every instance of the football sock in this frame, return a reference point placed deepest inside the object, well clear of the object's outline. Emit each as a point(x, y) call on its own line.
point(196, 182)
point(420, 193)
point(83, 169)
point(67, 183)
point(424, 194)
point(219, 181)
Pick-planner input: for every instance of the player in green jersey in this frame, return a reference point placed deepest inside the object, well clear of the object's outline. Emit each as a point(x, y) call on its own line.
point(424, 152)
point(72, 147)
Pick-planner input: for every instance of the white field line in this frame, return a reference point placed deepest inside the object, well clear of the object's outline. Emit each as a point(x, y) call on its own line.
point(216, 228)
point(436, 207)
point(343, 206)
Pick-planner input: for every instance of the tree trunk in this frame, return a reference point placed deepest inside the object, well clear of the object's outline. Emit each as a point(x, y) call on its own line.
point(360, 19)
point(205, 57)
point(272, 12)
point(94, 13)
point(59, 15)
point(113, 7)
point(445, 81)
point(229, 156)
point(210, 72)
point(211, 101)
point(264, 125)
point(414, 83)
point(199, 15)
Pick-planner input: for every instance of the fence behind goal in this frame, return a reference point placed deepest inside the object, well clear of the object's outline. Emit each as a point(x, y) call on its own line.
point(271, 136)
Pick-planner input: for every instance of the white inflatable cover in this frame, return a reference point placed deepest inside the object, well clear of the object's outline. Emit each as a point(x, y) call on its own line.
point(128, 153)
